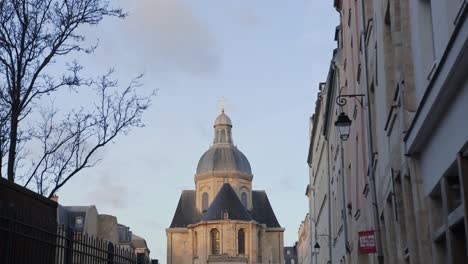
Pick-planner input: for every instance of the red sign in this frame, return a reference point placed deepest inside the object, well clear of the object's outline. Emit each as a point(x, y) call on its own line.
point(367, 242)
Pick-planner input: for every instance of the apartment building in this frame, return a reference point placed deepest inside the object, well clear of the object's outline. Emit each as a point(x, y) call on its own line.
point(400, 177)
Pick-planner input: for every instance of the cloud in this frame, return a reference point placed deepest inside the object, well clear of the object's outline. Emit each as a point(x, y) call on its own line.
point(286, 183)
point(110, 192)
point(170, 36)
point(247, 18)
point(152, 223)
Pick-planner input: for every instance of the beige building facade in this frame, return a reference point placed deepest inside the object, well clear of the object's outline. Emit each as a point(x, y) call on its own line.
point(304, 254)
point(85, 220)
point(223, 220)
point(402, 68)
point(319, 187)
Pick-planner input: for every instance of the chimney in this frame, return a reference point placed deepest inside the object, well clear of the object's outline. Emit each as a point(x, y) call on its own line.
point(54, 198)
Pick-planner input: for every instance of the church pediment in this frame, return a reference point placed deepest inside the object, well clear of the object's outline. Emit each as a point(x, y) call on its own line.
point(226, 206)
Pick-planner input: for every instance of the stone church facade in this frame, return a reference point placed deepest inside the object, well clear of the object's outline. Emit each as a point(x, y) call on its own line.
point(223, 220)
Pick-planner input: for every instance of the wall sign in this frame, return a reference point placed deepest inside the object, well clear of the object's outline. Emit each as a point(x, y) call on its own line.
point(367, 242)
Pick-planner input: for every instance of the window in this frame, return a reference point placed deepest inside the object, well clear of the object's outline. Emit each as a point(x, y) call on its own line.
point(426, 36)
point(79, 221)
point(215, 248)
point(229, 136)
point(204, 201)
point(244, 199)
point(241, 242)
point(223, 136)
point(445, 200)
point(349, 17)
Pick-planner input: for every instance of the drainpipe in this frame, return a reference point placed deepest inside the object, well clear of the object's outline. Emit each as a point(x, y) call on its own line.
point(330, 252)
point(375, 205)
point(343, 190)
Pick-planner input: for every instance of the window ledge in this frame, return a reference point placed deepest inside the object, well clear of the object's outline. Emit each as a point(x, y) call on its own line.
point(456, 216)
point(438, 234)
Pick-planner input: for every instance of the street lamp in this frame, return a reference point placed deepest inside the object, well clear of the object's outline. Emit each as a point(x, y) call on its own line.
point(343, 123)
point(316, 248)
point(316, 252)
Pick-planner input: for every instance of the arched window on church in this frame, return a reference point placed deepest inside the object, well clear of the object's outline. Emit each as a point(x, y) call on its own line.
point(241, 242)
point(229, 138)
point(215, 247)
point(218, 136)
point(195, 244)
point(204, 201)
point(244, 199)
point(222, 139)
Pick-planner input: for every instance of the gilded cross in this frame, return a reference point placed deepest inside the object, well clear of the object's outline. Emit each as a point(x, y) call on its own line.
point(223, 102)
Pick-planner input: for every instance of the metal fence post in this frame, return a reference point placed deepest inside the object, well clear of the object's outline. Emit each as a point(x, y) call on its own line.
point(7, 241)
point(110, 253)
point(69, 246)
point(10, 235)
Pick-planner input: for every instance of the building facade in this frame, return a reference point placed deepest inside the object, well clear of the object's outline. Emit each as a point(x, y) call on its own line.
point(224, 220)
point(319, 193)
point(290, 255)
point(304, 254)
point(85, 220)
point(401, 66)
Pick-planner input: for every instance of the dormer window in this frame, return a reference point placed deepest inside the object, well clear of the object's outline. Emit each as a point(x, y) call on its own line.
point(244, 199)
point(204, 202)
point(79, 221)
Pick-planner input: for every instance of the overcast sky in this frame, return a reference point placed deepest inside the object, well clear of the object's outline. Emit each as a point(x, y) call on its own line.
point(266, 57)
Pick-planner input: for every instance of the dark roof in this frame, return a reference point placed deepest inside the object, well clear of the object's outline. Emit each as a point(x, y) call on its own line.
point(226, 201)
point(186, 212)
point(262, 211)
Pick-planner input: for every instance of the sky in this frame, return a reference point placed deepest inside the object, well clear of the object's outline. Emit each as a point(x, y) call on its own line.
point(266, 57)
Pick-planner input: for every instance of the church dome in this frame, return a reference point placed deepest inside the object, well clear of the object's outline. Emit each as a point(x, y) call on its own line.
point(223, 155)
point(223, 119)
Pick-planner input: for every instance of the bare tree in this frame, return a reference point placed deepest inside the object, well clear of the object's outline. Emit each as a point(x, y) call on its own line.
point(33, 34)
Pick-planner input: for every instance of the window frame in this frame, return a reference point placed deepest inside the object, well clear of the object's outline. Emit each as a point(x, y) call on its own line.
point(205, 201)
point(241, 244)
point(215, 242)
point(246, 201)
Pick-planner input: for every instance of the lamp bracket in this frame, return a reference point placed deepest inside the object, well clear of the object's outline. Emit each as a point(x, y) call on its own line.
point(341, 99)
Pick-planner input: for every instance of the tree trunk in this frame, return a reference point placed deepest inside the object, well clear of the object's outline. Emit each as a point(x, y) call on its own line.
point(13, 142)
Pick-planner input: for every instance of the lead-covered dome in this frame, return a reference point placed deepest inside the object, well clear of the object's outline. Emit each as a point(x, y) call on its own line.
point(223, 155)
point(223, 119)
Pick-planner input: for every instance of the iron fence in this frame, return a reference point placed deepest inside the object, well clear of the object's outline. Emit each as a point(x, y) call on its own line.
point(26, 242)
